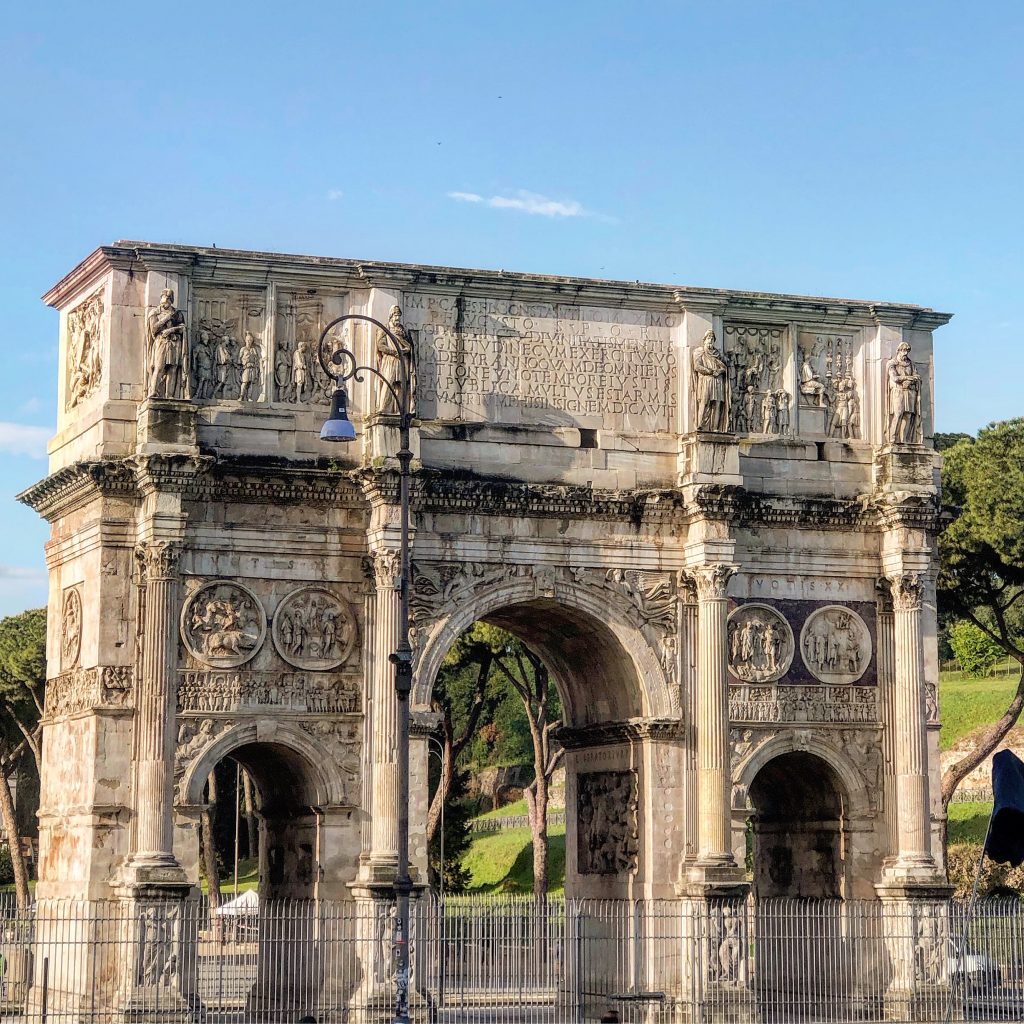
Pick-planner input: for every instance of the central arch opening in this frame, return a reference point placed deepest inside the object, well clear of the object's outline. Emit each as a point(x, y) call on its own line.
point(584, 732)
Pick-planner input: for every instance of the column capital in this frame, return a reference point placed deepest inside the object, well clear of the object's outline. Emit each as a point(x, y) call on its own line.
point(712, 581)
point(158, 560)
point(382, 568)
point(907, 590)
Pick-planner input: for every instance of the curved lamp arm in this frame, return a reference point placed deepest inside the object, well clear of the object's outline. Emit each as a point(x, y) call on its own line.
point(340, 364)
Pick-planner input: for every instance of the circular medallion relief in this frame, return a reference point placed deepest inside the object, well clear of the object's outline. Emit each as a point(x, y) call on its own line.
point(223, 624)
point(314, 629)
point(761, 644)
point(835, 644)
point(71, 630)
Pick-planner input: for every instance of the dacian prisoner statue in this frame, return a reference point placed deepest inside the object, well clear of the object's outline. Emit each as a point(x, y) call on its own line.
point(725, 553)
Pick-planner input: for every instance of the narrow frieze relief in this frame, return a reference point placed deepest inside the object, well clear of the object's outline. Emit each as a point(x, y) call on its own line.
point(759, 402)
point(783, 702)
point(223, 624)
point(208, 690)
point(82, 689)
point(84, 351)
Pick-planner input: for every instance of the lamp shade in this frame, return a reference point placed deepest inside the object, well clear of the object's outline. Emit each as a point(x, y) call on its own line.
point(338, 427)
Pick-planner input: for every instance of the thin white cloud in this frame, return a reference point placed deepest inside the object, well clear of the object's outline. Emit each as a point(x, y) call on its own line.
point(334, 194)
point(526, 202)
point(19, 572)
point(20, 439)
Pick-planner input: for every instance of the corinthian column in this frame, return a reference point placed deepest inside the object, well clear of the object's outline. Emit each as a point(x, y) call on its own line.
point(153, 857)
point(714, 831)
point(383, 722)
point(909, 724)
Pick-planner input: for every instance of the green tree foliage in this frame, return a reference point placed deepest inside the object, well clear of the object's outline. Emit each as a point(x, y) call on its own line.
point(22, 682)
point(973, 648)
point(982, 569)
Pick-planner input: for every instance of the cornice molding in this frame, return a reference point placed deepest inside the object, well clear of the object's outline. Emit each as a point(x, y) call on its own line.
point(342, 274)
point(608, 734)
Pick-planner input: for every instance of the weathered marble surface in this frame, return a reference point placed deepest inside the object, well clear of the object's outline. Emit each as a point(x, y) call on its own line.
point(684, 498)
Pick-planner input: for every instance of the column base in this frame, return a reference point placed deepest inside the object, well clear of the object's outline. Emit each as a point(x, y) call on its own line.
point(158, 871)
point(711, 878)
point(913, 881)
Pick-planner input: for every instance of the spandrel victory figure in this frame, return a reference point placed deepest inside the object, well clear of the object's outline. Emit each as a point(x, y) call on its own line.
point(166, 326)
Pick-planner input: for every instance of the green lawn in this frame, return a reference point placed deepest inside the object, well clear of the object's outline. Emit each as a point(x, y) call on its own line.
point(511, 810)
point(968, 822)
point(503, 861)
point(968, 703)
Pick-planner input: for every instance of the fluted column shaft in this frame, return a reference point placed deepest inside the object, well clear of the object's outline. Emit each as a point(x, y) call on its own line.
point(910, 724)
point(688, 678)
point(384, 716)
point(886, 684)
point(714, 832)
point(155, 705)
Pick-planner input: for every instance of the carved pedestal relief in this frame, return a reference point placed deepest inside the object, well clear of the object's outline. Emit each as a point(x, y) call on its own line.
point(756, 356)
point(608, 838)
point(85, 357)
point(835, 645)
point(314, 629)
point(223, 625)
point(760, 644)
point(829, 392)
point(226, 357)
point(70, 630)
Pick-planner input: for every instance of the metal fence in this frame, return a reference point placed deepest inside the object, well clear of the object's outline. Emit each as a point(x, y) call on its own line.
point(513, 959)
point(512, 821)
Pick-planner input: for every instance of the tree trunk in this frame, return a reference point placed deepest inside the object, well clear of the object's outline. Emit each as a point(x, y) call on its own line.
point(537, 811)
point(249, 809)
point(208, 844)
point(10, 827)
point(991, 739)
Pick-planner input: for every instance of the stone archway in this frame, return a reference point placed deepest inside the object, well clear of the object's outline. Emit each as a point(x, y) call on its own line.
point(612, 681)
point(300, 786)
point(800, 819)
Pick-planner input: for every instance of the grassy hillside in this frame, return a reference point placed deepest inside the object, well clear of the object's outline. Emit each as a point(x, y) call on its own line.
point(968, 703)
point(503, 861)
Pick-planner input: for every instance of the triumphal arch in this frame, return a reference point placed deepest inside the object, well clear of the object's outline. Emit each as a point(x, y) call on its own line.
point(713, 513)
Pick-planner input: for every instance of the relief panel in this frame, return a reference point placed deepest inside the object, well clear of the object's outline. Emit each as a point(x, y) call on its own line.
point(226, 353)
point(756, 357)
point(84, 350)
point(830, 390)
point(608, 840)
point(223, 624)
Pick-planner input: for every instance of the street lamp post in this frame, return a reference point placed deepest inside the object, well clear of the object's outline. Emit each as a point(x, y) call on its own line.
point(340, 364)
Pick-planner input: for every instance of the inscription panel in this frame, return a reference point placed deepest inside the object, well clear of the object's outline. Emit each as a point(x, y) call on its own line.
point(545, 364)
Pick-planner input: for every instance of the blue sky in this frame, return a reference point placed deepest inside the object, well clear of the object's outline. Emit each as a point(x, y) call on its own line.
point(860, 149)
